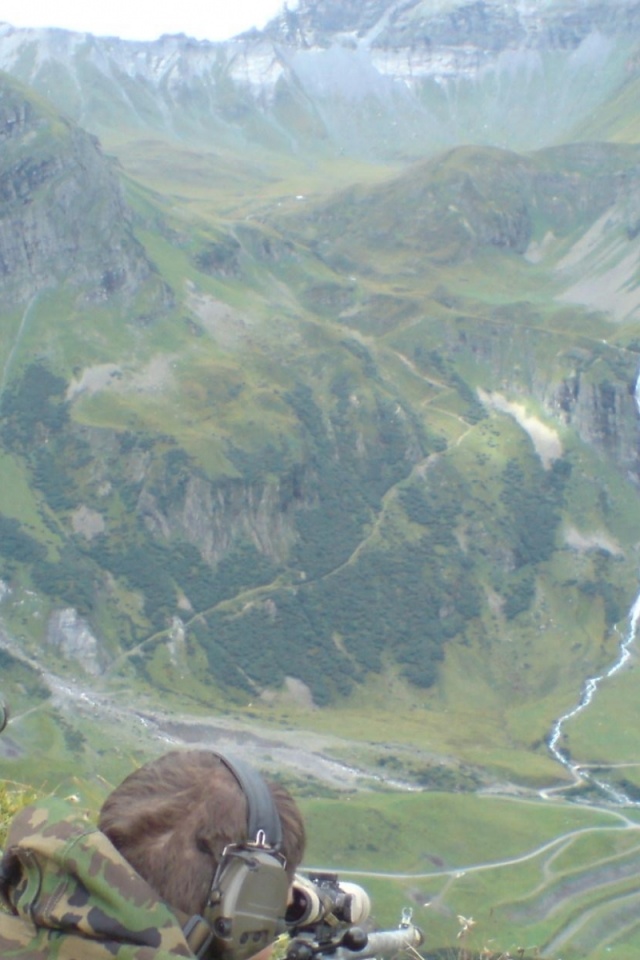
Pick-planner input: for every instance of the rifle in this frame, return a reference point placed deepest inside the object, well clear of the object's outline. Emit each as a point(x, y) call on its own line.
point(325, 916)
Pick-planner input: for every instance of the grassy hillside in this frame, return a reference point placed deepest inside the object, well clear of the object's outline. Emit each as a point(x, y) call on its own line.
point(323, 457)
point(349, 454)
point(534, 876)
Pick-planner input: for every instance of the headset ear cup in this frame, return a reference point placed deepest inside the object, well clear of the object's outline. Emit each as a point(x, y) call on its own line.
point(247, 902)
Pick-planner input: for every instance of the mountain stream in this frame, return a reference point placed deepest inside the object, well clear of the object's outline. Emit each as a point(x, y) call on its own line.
point(589, 690)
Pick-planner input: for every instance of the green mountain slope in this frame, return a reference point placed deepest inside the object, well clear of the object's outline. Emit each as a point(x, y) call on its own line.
point(324, 431)
point(295, 452)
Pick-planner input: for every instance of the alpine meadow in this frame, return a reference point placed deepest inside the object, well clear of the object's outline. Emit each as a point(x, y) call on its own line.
point(320, 441)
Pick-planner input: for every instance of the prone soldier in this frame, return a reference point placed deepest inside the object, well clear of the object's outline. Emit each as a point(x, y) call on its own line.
point(193, 856)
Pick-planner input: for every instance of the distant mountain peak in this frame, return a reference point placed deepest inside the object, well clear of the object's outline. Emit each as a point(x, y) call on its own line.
point(380, 79)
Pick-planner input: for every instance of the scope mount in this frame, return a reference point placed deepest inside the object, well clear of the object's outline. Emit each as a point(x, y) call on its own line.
point(306, 947)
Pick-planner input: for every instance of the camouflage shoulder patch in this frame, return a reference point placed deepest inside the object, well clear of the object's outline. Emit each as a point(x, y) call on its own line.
point(70, 889)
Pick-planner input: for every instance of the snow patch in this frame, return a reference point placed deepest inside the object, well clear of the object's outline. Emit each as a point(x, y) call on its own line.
point(546, 441)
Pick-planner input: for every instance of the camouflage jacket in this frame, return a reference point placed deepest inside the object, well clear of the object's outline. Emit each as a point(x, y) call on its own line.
point(69, 895)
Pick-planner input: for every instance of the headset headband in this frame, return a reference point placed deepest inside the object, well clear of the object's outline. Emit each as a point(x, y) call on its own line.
point(262, 815)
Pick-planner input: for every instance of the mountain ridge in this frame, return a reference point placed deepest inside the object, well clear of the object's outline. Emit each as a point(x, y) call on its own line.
point(300, 393)
point(353, 446)
point(319, 64)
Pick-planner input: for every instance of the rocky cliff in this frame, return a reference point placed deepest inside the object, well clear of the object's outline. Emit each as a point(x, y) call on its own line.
point(63, 216)
point(376, 79)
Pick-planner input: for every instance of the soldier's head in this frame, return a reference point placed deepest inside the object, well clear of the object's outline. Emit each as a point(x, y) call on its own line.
point(174, 818)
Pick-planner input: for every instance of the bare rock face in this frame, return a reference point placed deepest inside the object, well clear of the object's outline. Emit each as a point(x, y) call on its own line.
point(62, 210)
point(380, 78)
point(489, 25)
point(605, 416)
point(71, 636)
point(217, 517)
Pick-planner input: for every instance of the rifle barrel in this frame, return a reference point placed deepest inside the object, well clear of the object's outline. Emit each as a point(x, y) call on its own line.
point(383, 943)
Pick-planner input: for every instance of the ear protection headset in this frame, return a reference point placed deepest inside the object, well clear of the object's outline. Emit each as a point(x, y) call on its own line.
point(248, 896)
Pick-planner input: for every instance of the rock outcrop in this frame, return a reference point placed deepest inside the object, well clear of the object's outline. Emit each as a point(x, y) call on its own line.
point(70, 636)
point(62, 210)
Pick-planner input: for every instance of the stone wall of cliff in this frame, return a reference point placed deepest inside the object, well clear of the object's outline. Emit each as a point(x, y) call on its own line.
point(62, 209)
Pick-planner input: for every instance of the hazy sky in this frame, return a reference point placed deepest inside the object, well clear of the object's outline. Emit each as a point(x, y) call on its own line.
point(144, 19)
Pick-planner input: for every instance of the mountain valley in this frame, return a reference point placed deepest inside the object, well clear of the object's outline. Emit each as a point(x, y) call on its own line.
point(319, 419)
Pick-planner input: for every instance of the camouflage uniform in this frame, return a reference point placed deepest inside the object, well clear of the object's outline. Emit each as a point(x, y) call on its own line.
point(69, 895)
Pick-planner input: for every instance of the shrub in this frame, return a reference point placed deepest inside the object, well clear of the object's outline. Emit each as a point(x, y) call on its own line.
point(13, 797)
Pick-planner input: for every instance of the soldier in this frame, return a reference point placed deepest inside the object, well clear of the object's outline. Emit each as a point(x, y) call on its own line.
point(193, 857)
